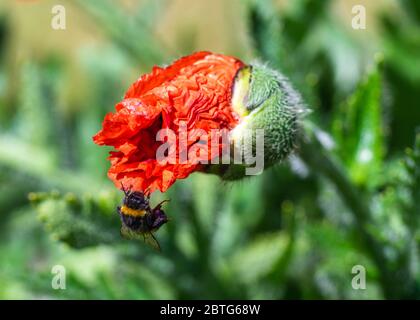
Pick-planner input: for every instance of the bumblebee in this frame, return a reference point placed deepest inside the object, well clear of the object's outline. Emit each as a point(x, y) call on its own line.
point(138, 219)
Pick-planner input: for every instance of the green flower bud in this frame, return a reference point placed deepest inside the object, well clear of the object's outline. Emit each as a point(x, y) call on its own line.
point(270, 110)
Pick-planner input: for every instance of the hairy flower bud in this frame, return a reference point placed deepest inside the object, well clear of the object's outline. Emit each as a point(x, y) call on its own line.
point(268, 106)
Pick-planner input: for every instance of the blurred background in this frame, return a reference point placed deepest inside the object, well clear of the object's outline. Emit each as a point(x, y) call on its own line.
point(294, 232)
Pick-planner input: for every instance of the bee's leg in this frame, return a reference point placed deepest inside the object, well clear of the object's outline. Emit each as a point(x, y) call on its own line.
point(126, 192)
point(156, 242)
point(150, 239)
point(161, 203)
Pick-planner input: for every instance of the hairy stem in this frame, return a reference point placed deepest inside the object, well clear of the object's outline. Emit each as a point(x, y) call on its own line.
point(320, 160)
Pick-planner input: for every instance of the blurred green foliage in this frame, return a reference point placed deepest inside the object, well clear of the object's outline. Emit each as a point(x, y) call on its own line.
point(349, 196)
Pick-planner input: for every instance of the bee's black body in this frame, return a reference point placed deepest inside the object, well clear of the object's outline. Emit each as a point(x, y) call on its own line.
point(133, 223)
point(151, 221)
point(136, 200)
point(138, 217)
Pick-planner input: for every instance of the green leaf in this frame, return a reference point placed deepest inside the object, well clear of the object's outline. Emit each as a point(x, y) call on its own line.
point(412, 7)
point(412, 166)
point(79, 222)
point(358, 129)
point(133, 36)
point(401, 43)
point(265, 28)
point(259, 258)
point(33, 121)
point(40, 165)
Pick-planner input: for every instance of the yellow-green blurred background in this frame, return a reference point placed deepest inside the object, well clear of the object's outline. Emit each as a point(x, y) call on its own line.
point(289, 233)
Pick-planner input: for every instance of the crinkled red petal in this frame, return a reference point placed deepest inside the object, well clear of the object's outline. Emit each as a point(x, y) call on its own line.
point(195, 90)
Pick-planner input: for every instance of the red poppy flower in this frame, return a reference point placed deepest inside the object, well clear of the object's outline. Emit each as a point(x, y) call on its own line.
point(195, 90)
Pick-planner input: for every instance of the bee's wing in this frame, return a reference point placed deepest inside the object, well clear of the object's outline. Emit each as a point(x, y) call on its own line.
point(147, 237)
point(126, 233)
point(150, 239)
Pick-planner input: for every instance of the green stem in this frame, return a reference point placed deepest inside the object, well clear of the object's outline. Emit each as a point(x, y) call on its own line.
point(323, 162)
point(214, 285)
